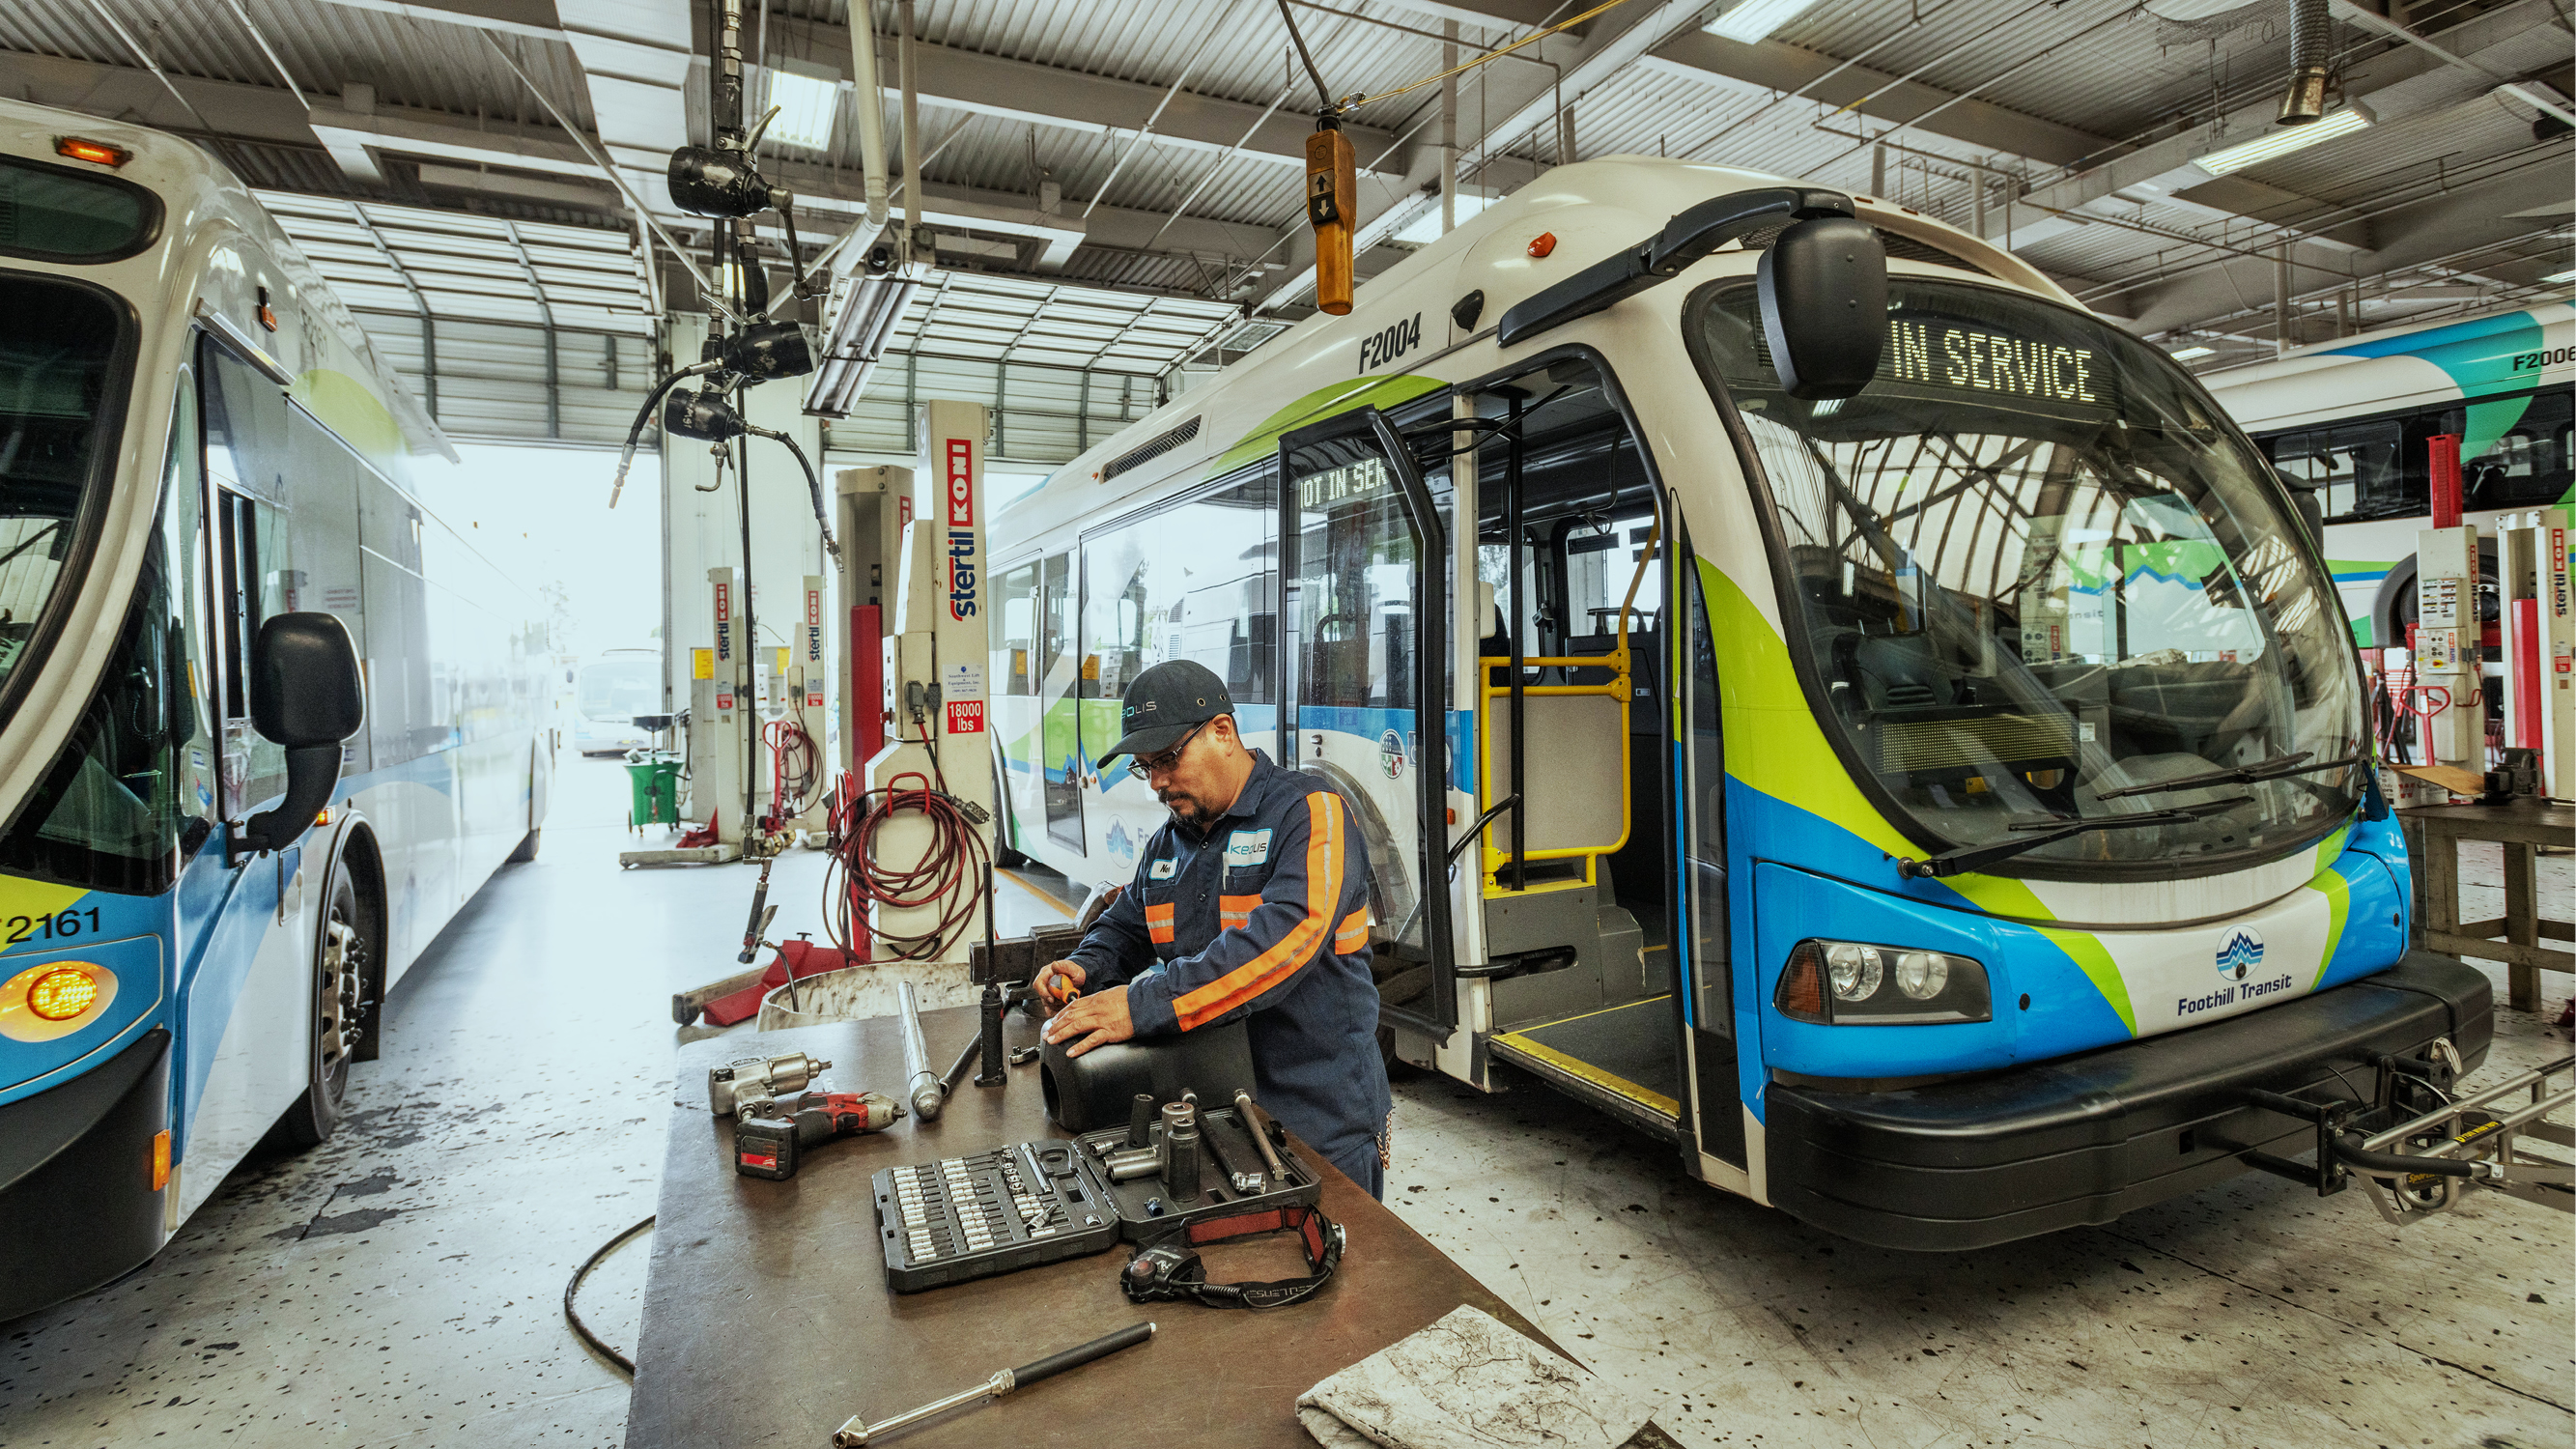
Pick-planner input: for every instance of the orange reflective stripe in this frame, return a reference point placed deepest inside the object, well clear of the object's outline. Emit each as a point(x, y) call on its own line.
point(1323, 892)
point(1158, 923)
point(1352, 935)
point(1235, 911)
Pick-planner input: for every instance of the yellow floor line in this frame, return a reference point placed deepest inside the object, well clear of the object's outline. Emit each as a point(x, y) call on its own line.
point(1013, 877)
point(1585, 1071)
point(1605, 1011)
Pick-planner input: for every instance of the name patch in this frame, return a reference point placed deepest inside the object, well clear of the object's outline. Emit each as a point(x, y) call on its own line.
point(1247, 847)
point(1163, 870)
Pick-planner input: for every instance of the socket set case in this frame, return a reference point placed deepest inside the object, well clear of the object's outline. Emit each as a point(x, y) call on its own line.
point(1016, 1207)
point(1227, 1146)
point(991, 1212)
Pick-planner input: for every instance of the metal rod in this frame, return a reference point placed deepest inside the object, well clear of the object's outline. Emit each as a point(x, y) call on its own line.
point(643, 213)
point(905, 70)
point(149, 63)
point(921, 1084)
point(1512, 527)
point(1214, 30)
point(262, 42)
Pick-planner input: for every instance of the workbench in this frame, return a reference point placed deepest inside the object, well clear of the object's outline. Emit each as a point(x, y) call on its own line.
point(767, 1320)
point(2433, 836)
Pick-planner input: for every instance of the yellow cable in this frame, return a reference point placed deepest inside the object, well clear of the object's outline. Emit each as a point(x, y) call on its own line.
point(1351, 102)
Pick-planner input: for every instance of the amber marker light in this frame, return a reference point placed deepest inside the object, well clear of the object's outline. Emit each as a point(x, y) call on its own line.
point(97, 153)
point(161, 1159)
point(62, 993)
point(1543, 243)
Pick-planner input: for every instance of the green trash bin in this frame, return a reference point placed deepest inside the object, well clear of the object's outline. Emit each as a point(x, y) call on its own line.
point(655, 777)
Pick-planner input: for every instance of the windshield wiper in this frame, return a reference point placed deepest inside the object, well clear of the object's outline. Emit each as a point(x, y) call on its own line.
point(2279, 767)
point(1976, 857)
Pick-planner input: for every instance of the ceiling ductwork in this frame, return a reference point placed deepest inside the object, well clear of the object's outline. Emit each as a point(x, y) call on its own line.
point(2311, 50)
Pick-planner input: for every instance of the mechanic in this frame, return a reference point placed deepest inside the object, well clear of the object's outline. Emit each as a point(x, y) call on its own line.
point(1252, 901)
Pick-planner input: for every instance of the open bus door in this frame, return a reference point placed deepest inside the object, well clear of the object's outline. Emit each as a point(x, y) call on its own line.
point(1364, 563)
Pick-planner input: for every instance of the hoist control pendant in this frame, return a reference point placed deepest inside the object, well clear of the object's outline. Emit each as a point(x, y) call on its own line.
point(1332, 207)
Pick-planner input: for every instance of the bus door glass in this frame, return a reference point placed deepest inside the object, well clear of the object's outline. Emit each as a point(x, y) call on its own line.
point(246, 441)
point(1366, 703)
point(1718, 1101)
point(1058, 729)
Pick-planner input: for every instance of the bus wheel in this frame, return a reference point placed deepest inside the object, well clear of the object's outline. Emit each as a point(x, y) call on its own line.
point(339, 984)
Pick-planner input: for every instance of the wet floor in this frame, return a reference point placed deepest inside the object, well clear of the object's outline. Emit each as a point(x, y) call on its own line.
point(401, 1287)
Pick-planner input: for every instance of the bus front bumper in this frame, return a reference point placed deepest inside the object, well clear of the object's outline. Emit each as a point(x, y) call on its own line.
point(1970, 1163)
point(77, 1206)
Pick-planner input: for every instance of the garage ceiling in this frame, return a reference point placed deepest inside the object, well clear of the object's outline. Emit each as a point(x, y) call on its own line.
point(1085, 160)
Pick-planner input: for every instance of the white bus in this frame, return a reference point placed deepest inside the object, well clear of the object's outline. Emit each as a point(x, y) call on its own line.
point(616, 687)
point(196, 440)
point(2355, 420)
point(1906, 756)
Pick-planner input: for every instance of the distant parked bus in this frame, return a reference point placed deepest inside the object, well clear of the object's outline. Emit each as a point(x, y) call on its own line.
point(2355, 419)
point(195, 437)
point(616, 687)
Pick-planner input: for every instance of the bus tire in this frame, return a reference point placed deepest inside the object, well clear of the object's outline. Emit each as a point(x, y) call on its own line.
point(341, 962)
point(527, 849)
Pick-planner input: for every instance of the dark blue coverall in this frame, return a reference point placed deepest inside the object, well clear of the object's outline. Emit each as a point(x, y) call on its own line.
point(1264, 913)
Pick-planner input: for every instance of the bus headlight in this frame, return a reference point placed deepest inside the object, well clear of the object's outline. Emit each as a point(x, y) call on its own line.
point(1853, 983)
point(54, 999)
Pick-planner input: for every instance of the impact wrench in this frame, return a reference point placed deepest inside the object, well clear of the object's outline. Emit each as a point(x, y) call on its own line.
point(771, 1147)
point(858, 1432)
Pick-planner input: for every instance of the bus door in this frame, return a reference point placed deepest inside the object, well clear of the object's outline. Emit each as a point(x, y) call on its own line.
point(1573, 751)
point(247, 1030)
point(1364, 565)
point(1059, 733)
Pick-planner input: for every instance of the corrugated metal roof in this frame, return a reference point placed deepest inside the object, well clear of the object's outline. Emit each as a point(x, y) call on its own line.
point(457, 266)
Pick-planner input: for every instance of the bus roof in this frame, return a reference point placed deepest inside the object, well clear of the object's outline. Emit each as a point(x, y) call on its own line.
point(1589, 210)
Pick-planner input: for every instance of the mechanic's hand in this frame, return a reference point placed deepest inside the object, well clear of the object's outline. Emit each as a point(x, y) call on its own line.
point(1102, 1015)
point(1058, 983)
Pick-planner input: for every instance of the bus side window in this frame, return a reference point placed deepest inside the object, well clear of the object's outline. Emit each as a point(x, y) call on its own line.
point(247, 425)
point(183, 534)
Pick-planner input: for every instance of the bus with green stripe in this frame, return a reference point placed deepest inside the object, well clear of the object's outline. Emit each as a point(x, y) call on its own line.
point(266, 720)
point(2355, 421)
point(1808, 688)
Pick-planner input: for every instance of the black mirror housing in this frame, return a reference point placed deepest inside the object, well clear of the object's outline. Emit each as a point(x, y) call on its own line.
point(305, 694)
point(304, 686)
point(1823, 289)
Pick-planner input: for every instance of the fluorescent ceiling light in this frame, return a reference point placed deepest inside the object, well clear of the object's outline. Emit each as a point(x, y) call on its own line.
point(1423, 230)
point(2566, 276)
point(2282, 141)
point(2188, 353)
point(806, 106)
point(1751, 20)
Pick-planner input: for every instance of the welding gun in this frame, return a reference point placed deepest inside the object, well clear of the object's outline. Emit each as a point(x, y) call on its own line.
point(772, 1147)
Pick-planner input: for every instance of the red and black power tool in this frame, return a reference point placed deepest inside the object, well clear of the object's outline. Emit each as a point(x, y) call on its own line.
point(771, 1147)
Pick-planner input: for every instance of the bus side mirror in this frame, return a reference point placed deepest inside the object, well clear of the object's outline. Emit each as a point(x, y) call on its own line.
point(1823, 288)
point(305, 694)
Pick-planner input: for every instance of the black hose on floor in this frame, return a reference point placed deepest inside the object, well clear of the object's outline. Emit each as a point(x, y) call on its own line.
point(572, 1315)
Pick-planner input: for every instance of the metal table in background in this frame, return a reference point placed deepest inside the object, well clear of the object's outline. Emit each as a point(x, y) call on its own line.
point(2433, 836)
point(767, 1320)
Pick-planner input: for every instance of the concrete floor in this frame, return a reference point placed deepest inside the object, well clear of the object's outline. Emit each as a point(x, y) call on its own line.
point(401, 1287)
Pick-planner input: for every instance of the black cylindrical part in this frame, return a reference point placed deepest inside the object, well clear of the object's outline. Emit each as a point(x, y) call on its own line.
point(1181, 1170)
point(1140, 1120)
point(1056, 1363)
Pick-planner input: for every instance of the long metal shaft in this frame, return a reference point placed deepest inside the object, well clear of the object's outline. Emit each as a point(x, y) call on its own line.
point(855, 1432)
point(921, 1084)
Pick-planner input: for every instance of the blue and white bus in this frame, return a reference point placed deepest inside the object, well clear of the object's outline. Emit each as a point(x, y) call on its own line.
point(195, 438)
point(2355, 419)
point(1933, 804)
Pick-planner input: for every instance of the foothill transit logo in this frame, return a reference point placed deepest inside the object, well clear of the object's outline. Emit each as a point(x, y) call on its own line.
point(2236, 959)
point(2241, 954)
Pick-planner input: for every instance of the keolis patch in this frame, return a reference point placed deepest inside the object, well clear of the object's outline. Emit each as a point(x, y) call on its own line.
point(1247, 847)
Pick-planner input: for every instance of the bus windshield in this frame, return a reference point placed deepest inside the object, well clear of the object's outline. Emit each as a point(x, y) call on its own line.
point(60, 377)
point(617, 690)
point(2036, 578)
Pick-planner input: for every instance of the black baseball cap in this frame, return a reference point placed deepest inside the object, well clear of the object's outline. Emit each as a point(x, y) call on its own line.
point(1163, 703)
